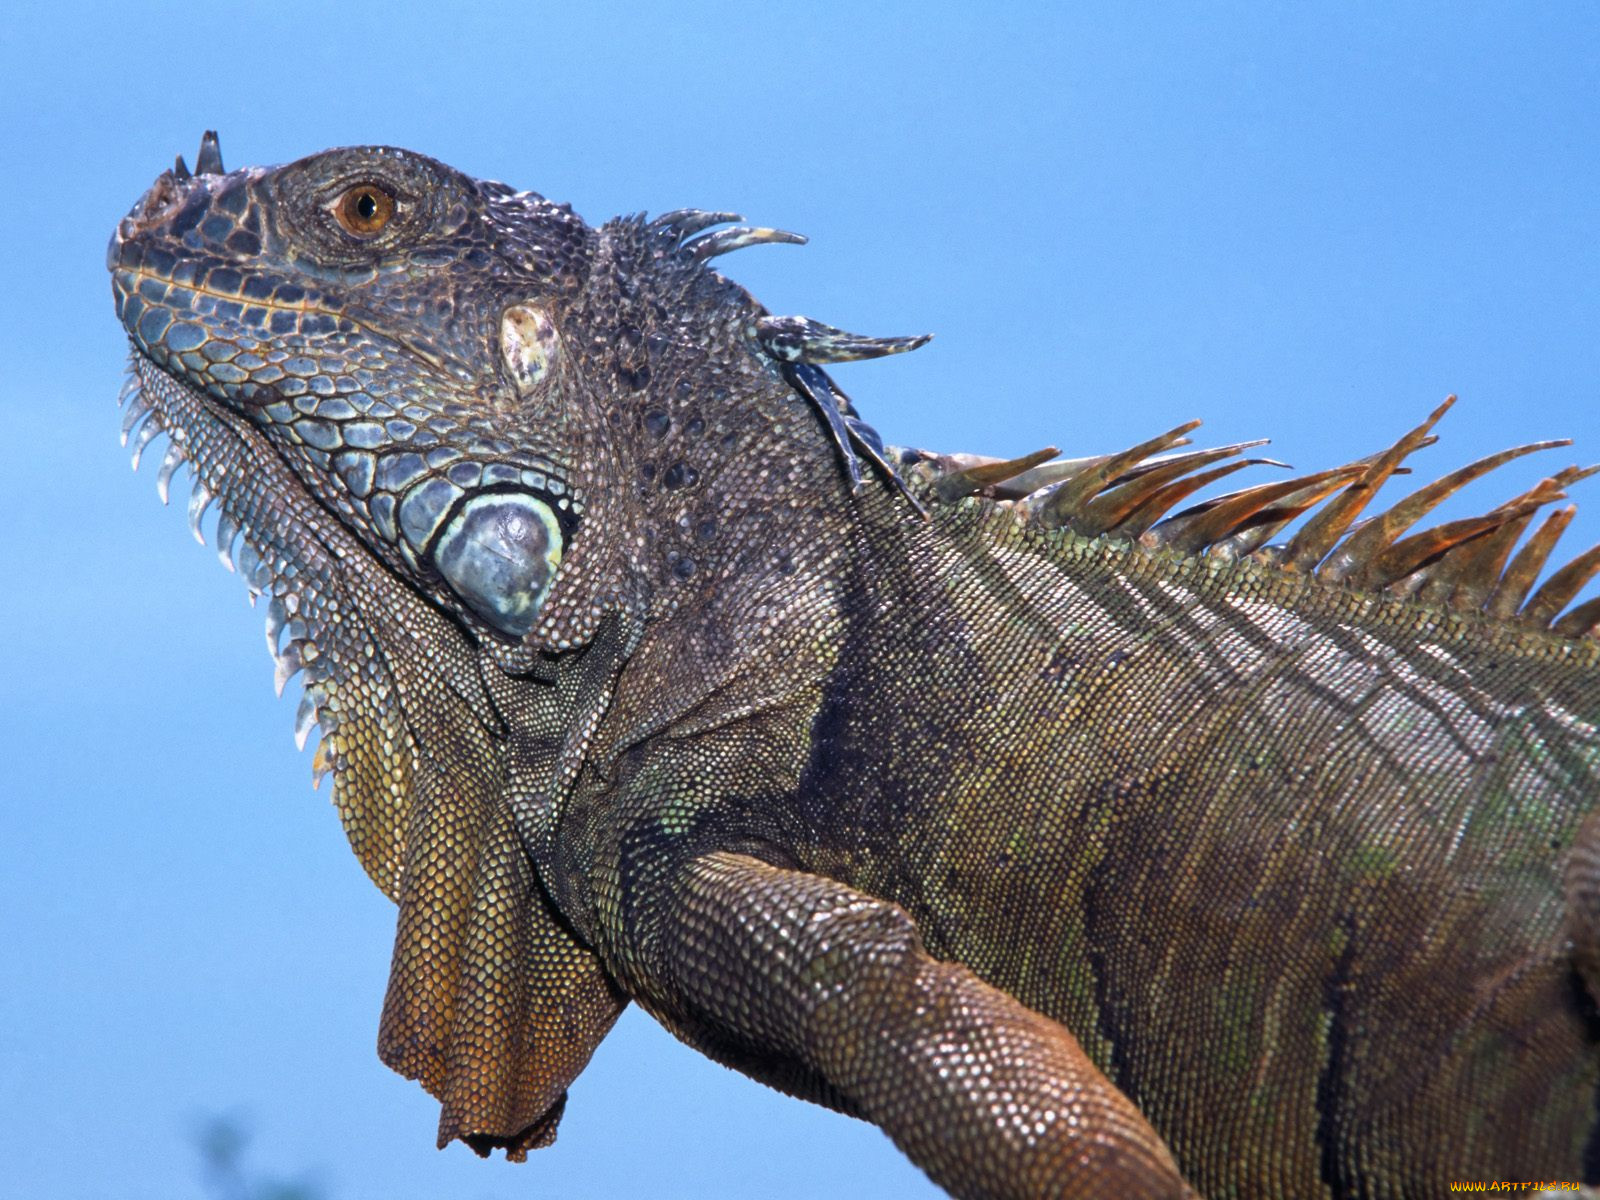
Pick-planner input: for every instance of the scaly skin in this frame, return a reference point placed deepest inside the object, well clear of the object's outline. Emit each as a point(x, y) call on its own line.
point(1072, 863)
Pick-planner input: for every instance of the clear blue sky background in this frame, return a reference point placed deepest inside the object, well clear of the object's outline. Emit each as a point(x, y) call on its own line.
point(1306, 221)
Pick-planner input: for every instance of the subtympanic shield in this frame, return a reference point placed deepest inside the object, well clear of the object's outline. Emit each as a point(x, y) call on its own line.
point(499, 553)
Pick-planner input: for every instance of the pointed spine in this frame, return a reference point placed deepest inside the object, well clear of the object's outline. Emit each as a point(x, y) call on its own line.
point(227, 534)
point(978, 477)
point(683, 223)
point(800, 339)
point(725, 241)
point(1557, 591)
point(175, 458)
point(1190, 533)
point(148, 432)
point(305, 719)
point(1525, 567)
point(1583, 621)
point(1311, 545)
point(1065, 503)
point(1149, 485)
point(291, 661)
point(199, 500)
point(209, 160)
point(138, 410)
point(1363, 548)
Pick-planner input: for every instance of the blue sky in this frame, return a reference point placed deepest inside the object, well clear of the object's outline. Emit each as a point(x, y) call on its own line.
point(1309, 223)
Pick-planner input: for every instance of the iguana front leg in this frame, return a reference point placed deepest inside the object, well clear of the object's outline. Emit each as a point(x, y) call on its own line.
point(818, 988)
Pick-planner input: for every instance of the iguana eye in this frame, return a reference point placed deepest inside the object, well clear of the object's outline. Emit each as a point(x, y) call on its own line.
point(363, 210)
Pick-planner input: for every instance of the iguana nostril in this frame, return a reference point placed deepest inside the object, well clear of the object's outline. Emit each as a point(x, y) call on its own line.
point(163, 194)
point(500, 554)
point(157, 204)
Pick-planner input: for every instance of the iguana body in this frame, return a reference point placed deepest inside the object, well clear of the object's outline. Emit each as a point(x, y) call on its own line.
point(644, 674)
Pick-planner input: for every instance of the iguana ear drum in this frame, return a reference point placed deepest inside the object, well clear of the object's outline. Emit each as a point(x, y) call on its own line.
point(529, 345)
point(500, 553)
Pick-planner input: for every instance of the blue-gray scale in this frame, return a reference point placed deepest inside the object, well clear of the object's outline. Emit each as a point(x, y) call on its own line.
point(500, 553)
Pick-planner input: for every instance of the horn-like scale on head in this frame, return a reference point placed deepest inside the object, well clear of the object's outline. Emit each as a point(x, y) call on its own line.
point(209, 160)
point(803, 344)
point(800, 344)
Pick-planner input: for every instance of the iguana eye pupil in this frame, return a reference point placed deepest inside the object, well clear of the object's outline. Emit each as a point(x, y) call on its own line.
point(364, 209)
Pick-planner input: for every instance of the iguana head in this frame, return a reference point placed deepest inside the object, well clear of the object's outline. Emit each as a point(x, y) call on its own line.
point(390, 326)
point(527, 419)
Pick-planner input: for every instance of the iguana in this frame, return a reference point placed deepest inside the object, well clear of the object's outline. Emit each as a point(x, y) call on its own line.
point(1083, 838)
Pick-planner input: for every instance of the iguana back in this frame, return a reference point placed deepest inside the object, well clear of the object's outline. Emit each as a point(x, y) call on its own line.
point(1287, 858)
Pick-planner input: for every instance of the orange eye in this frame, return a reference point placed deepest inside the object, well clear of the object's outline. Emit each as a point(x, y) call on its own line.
point(364, 209)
